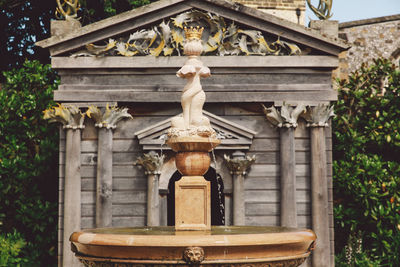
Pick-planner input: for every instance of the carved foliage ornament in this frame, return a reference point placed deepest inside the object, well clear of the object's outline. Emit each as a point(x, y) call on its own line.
point(318, 116)
point(109, 117)
point(70, 116)
point(285, 117)
point(239, 166)
point(152, 162)
point(220, 38)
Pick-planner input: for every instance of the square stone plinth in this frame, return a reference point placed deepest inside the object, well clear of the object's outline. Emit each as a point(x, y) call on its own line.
point(192, 203)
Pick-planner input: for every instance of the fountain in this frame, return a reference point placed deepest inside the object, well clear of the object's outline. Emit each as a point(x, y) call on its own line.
point(193, 241)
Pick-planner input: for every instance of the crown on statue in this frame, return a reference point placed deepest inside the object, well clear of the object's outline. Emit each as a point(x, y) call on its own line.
point(193, 32)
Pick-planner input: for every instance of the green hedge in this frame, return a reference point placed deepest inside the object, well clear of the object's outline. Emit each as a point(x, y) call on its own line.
point(366, 147)
point(29, 161)
point(11, 245)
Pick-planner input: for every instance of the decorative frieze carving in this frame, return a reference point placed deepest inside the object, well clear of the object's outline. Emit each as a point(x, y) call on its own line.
point(152, 162)
point(69, 116)
point(109, 118)
point(221, 37)
point(239, 165)
point(318, 116)
point(285, 117)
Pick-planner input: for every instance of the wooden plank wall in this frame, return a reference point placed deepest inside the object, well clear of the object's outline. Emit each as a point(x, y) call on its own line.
point(262, 184)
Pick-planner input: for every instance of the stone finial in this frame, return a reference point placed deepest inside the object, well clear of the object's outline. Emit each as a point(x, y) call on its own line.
point(70, 116)
point(286, 117)
point(318, 116)
point(239, 163)
point(67, 10)
point(323, 11)
point(109, 118)
point(151, 161)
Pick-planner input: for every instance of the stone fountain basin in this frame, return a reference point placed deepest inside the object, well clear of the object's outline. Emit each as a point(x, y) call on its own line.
point(233, 245)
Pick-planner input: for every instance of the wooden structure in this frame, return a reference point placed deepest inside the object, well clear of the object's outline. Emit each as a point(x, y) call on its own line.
point(297, 158)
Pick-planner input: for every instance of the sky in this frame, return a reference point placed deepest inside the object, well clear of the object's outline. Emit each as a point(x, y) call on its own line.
point(348, 10)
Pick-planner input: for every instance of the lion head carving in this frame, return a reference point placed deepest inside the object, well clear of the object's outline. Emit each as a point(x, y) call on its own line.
point(193, 255)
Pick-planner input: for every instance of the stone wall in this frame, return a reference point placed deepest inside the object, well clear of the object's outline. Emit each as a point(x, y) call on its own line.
point(285, 9)
point(369, 39)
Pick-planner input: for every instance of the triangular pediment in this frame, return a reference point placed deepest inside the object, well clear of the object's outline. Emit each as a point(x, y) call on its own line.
point(255, 32)
point(232, 135)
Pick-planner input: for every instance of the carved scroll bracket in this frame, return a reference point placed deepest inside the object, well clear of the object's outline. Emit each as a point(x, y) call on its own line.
point(318, 116)
point(152, 162)
point(285, 117)
point(239, 163)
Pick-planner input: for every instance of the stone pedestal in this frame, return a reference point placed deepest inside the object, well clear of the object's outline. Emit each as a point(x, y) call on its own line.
point(192, 204)
point(326, 27)
point(192, 191)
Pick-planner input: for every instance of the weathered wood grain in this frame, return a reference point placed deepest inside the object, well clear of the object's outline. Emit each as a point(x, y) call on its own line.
point(142, 62)
point(269, 209)
point(213, 97)
point(72, 195)
point(104, 179)
point(130, 209)
point(254, 183)
point(319, 196)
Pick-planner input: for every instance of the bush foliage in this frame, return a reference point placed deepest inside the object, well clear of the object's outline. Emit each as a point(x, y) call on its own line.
point(10, 249)
point(28, 161)
point(367, 166)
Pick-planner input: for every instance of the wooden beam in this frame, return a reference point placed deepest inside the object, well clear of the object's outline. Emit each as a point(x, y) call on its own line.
point(104, 178)
point(319, 197)
point(212, 97)
point(210, 61)
point(72, 193)
point(288, 177)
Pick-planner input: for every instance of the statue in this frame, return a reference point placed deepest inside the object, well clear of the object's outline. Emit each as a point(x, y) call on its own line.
point(323, 11)
point(193, 122)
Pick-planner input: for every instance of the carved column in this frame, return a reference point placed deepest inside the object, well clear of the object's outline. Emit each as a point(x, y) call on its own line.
point(238, 166)
point(286, 120)
point(72, 120)
point(152, 163)
point(317, 119)
point(106, 122)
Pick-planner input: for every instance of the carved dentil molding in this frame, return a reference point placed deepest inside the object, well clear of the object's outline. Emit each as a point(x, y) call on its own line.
point(286, 116)
point(69, 116)
point(109, 117)
point(152, 162)
point(318, 116)
point(239, 165)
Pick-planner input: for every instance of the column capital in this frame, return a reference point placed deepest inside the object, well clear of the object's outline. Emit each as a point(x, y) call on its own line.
point(152, 162)
point(318, 116)
point(70, 116)
point(286, 116)
point(239, 163)
point(109, 117)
